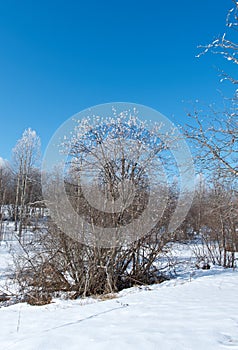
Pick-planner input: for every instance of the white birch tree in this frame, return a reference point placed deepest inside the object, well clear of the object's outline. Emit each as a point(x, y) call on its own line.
point(25, 155)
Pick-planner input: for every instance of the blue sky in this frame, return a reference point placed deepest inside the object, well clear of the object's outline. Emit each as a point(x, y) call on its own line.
point(59, 57)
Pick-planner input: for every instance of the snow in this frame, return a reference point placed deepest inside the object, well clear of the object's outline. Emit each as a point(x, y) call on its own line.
point(194, 311)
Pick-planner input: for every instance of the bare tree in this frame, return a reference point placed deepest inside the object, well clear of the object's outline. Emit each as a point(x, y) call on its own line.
point(216, 140)
point(3, 189)
point(112, 169)
point(25, 156)
point(215, 222)
point(216, 133)
point(215, 143)
point(6, 192)
point(225, 45)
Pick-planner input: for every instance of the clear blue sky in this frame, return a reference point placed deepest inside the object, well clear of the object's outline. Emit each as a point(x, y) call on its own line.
point(59, 57)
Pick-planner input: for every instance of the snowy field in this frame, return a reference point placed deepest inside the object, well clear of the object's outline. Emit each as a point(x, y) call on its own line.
point(194, 311)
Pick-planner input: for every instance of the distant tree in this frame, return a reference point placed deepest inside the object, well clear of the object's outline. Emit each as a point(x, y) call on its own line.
point(213, 219)
point(5, 185)
point(25, 156)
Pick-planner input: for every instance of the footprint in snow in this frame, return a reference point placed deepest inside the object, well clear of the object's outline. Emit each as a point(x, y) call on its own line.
point(228, 340)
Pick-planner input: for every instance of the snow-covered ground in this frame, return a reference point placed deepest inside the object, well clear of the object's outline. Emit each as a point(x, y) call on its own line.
point(194, 311)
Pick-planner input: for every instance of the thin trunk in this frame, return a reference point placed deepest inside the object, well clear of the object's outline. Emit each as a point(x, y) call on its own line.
point(22, 204)
point(17, 199)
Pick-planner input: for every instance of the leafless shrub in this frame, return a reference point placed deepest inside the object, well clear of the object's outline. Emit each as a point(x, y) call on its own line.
point(57, 263)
